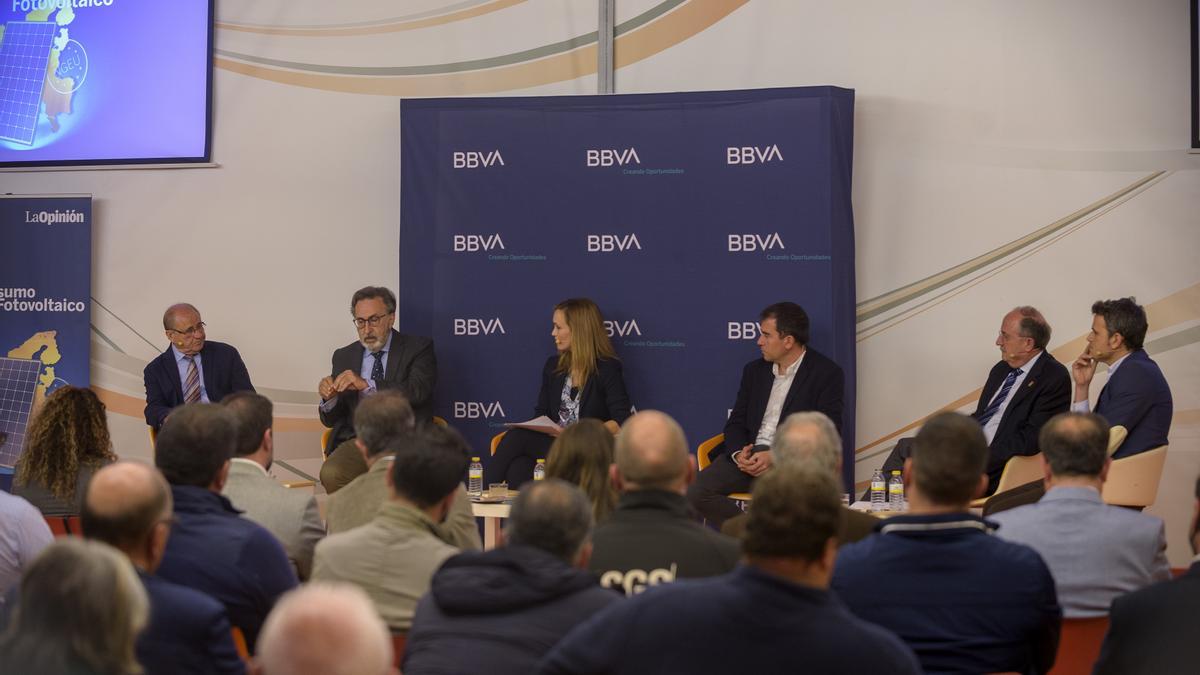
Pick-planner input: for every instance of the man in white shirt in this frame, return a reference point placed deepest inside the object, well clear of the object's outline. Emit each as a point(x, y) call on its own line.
point(790, 377)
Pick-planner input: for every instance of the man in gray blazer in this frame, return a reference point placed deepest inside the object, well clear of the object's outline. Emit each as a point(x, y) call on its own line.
point(1095, 552)
point(381, 421)
point(381, 359)
point(289, 514)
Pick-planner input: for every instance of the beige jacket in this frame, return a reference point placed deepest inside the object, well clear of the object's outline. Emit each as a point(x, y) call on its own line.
point(358, 502)
point(392, 558)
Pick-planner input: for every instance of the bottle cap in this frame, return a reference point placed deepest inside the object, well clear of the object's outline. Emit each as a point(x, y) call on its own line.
point(541, 461)
point(474, 459)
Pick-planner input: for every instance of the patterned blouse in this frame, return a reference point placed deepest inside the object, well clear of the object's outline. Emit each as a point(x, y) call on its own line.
point(568, 404)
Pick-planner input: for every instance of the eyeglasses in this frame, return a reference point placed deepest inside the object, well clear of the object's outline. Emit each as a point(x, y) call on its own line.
point(198, 329)
point(372, 321)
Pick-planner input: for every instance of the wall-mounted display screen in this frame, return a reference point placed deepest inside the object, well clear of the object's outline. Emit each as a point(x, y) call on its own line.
point(105, 81)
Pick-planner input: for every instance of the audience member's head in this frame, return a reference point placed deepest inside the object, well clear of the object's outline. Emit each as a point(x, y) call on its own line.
point(195, 445)
point(1075, 446)
point(553, 516)
point(792, 528)
point(946, 470)
point(82, 607)
point(324, 629)
point(581, 455)
point(652, 454)
point(381, 418)
point(68, 432)
point(430, 465)
point(808, 437)
point(253, 416)
point(128, 506)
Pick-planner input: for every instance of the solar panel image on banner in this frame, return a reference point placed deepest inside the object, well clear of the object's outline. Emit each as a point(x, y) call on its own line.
point(18, 380)
point(24, 56)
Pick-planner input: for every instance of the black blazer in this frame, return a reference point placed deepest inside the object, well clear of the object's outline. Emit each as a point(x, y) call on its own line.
point(224, 373)
point(603, 397)
point(1153, 630)
point(819, 385)
point(411, 369)
point(1045, 392)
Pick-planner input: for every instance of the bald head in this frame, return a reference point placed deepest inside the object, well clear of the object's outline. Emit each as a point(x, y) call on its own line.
point(123, 504)
point(180, 315)
point(808, 437)
point(652, 453)
point(325, 629)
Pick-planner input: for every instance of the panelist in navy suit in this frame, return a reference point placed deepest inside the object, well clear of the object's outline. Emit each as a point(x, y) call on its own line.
point(1025, 388)
point(192, 369)
point(790, 377)
point(1136, 395)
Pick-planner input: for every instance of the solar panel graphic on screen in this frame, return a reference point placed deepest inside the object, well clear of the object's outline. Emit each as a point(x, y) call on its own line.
point(24, 56)
point(18, 381)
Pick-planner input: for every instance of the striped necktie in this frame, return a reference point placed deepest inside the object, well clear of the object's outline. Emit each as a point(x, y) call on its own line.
point(191, 388)
point(999, 399)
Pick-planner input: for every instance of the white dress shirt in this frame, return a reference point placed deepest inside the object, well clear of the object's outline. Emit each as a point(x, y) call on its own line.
point(779, 392)
point(989, 429)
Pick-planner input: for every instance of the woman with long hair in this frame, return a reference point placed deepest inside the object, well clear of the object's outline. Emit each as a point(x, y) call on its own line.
point(66, 442)
point(80, 611)
point(581, 455)
point(583, 380)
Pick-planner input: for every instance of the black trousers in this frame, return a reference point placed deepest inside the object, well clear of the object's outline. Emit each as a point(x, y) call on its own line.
point(708, 495)
point(515, 458)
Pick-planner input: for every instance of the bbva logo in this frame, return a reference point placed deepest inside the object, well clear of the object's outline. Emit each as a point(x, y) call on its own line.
point(755, 242)
point(478, 326)
point(606, 157)
point(608, 243)
point(749, 154)
point(477, 242)
point(622, 328)
point(743, 330)
point(473, 159)
point(473, 410)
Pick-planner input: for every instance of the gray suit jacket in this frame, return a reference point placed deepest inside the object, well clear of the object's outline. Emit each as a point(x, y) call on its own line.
point(1095, 552)
point(291, 515)
point(359, 502)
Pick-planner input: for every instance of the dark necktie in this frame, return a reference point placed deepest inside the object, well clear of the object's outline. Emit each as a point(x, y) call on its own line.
point(999, 400)
point(191, 387)
point(377, 369)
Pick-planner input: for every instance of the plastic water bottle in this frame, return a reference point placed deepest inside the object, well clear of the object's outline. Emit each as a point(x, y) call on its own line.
point(475, 478)
point(896, 492)
point(539, 471)
point(878, 491)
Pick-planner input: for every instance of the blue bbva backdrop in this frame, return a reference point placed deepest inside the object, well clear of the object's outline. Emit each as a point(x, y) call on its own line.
point(681, 215)
point(45, 313)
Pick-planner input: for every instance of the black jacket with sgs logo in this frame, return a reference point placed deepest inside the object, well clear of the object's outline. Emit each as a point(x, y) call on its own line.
point(652, 539)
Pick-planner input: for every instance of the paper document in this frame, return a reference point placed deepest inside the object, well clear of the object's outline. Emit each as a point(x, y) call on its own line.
point(542, 423)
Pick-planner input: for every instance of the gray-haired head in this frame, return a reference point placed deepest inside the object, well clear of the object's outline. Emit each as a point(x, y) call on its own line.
point(325, 628)
point(551, 515)
point(652, 453)
point(82, 607)
point(808, 437)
